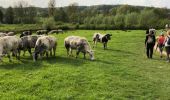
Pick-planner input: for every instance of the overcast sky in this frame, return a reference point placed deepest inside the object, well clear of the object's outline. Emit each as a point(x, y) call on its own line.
point(60, 3)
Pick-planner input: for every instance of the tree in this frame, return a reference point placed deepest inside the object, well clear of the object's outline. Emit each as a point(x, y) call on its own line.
point(72, 11)
point(51, 8)
point(9, 16)
point(31, 14)
point(60, 15)
point(1, 16)
point(24, 13)
point(119, 21)
point(131, 20)
point(125, 9)
point(48, 23)
point(148, 19)
point(19, 10)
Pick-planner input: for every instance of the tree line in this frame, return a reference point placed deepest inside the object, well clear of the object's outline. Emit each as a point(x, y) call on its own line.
point(92, 17)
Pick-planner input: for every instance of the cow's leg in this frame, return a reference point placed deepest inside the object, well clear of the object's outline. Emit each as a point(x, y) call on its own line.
point(1, 58)
point(54, 50)
point(104, 45)
point(47, 54)
point(41, 54)
point(67, 51)
point(94, 43)
point(29, 50)
point(84, 55)
point(77, 53)
point(19, 52)
point(24, 52)
point(51, 52)
point(8, 55)
point(70, 52)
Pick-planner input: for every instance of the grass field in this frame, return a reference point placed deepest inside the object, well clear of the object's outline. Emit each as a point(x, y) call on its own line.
point(121, 72)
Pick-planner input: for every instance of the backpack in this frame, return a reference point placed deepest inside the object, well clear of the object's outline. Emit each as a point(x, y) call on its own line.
point(168, 41)
point(161, 40)
point(150, 39)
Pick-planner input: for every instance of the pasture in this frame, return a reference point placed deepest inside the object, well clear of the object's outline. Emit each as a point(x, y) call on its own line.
point(121, 72)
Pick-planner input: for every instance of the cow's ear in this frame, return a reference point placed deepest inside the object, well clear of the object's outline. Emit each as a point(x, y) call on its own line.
point(110, 34)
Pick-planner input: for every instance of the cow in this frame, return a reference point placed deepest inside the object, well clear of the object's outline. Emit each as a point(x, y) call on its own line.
point(9, 44)
point(26, 33)
point(80, 44)
point(28, 42)
point(11, 33)
point(2, 34)
point(55, 31)
point(43, 45)
point(41, 32)
point(97, 37)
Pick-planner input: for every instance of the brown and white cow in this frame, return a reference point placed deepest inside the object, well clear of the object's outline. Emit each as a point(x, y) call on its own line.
point(9, 44)
point(80, 44)
point(2, 34)
point(41, 32)
point(28, 42)
point(43, 45)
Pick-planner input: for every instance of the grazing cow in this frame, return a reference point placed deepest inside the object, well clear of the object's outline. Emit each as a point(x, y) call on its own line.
point(10, 33)
point(26, 33)
point(80, 44)
point(97, 37)
point(9, 44)
point(41, 32)
point(55, 31)
point(3, 34)
point(28, 42)
point(43, 45)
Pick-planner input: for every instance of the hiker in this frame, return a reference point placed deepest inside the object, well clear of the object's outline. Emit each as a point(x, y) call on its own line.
point(167, 45)
point(150, 42)
point(160, 43)
point(147, 31)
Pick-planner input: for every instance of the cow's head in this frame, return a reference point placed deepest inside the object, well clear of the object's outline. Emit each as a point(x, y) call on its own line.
point(91, 53)
point(108, 36)
point(38, 49)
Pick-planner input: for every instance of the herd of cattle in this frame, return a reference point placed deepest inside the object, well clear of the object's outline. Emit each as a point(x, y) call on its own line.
point(42, 43)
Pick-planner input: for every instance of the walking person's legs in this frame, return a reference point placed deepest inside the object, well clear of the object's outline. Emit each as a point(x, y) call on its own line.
point(147, 51)
point(151, 51)
point(167, 53)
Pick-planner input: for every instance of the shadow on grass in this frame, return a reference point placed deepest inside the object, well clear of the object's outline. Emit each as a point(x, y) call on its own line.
point(26, 63)
point(70, 61)
point(121, 51)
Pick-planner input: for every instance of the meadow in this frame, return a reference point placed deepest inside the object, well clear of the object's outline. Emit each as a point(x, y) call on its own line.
point(121, 72)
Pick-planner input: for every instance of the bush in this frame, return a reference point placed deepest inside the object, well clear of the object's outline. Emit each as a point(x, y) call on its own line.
point(49, 23)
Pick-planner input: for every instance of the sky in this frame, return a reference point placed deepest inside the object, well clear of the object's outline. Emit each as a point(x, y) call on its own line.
point(61, 3)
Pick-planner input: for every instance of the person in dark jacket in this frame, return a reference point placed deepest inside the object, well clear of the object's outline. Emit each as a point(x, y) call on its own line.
point(150, 43)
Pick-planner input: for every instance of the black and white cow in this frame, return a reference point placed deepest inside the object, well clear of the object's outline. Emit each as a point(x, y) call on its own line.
point(25, 33)
point(97, 37)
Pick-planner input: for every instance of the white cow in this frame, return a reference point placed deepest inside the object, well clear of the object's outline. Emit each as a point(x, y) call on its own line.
point(80, 44)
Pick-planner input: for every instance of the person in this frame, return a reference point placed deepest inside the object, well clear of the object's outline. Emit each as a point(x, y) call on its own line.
point(167, 45)
point(160, 43)
point(150, 43)
point(147, 31)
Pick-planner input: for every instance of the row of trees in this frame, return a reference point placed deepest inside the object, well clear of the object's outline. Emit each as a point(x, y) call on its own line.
point(93, 17)
point(22, 13)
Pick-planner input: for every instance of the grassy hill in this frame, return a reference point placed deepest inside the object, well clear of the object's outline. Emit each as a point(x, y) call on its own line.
point(121, 72)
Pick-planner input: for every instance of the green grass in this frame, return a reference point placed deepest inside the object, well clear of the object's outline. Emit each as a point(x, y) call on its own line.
point(121, 72)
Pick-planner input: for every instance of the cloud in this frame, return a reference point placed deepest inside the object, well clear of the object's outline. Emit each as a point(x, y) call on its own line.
point(59, 3)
